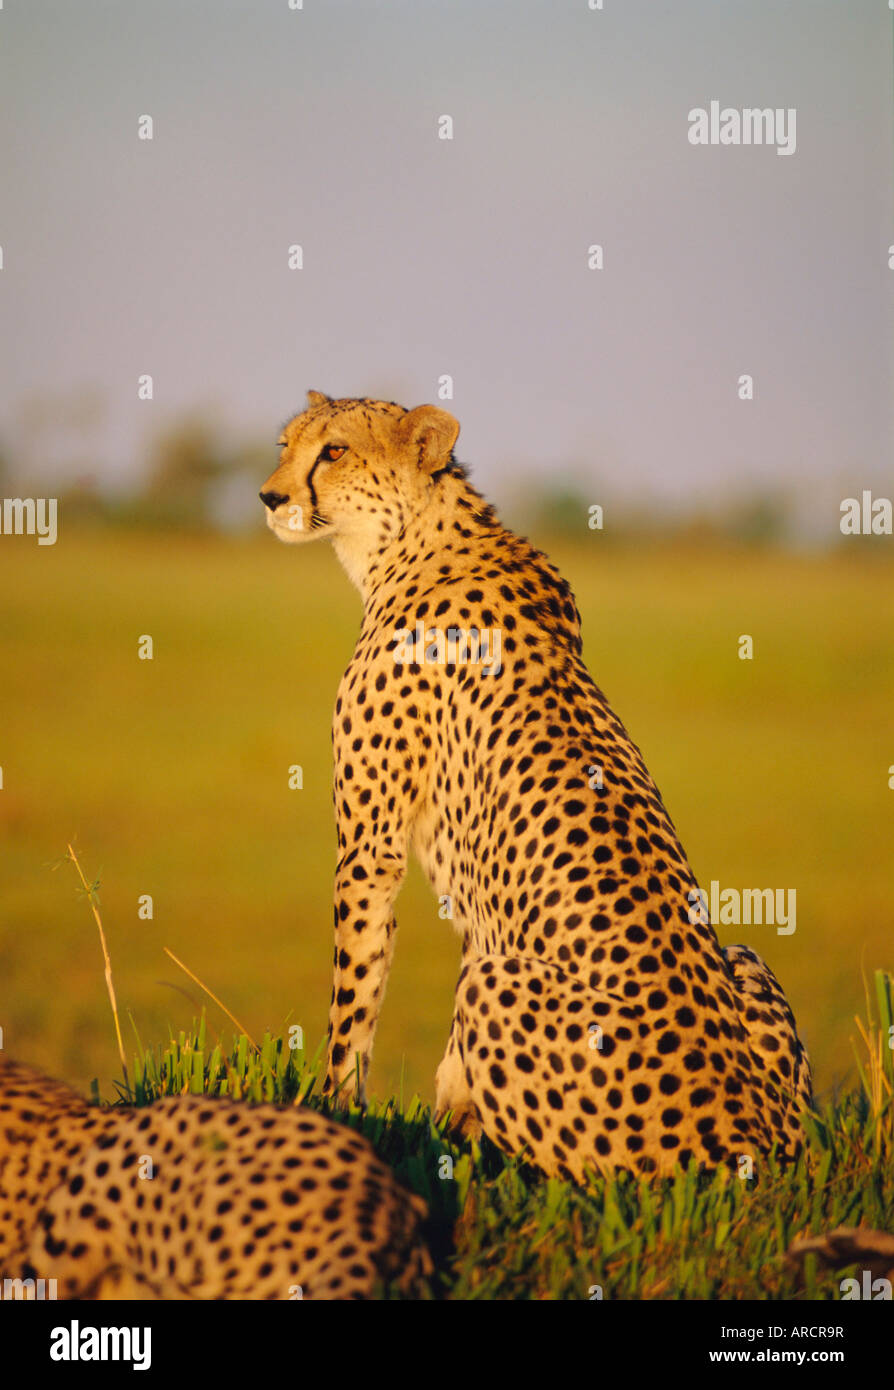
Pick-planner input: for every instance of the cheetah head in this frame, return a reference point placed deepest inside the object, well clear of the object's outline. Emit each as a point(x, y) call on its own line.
point(356, 471)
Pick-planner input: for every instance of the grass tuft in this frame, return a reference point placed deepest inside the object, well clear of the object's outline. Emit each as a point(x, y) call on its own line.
point(91, 892)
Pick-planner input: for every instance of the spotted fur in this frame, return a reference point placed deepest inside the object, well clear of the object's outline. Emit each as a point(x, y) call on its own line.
point(595, 1024)
point(196, 1198)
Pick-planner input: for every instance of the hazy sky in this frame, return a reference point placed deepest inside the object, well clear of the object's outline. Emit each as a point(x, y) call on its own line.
point(425, 257)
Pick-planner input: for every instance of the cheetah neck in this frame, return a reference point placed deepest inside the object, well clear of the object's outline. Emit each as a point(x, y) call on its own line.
point(366, 554)
point(355, 560)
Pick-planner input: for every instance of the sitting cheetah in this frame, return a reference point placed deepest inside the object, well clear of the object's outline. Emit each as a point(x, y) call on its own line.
point(596, 1024)
point(196, 1198)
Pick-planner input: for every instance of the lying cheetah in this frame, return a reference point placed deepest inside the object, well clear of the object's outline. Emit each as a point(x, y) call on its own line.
point(196, 1198)
point(596, 1025)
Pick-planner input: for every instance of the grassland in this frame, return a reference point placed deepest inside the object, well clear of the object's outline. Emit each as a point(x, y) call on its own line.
point(171, 776)
point(499, 1231)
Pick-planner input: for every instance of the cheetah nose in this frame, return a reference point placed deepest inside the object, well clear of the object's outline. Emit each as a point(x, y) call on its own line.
point(273, 499)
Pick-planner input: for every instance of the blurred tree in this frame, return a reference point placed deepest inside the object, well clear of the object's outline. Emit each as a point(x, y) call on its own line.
point(760, 520)
point(186, 465)
point(564, 510)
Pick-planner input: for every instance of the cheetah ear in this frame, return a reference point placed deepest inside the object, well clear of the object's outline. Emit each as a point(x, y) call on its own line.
point(317, 398)
point(431, 434)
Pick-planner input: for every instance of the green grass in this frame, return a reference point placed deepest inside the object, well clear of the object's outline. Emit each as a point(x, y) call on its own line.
point(499, 1230)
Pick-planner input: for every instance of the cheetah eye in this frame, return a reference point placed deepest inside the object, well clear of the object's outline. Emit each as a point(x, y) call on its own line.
point(331, 452)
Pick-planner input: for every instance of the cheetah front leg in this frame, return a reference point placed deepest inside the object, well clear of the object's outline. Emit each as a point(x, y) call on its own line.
point(379, 793)
point(366, 884)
